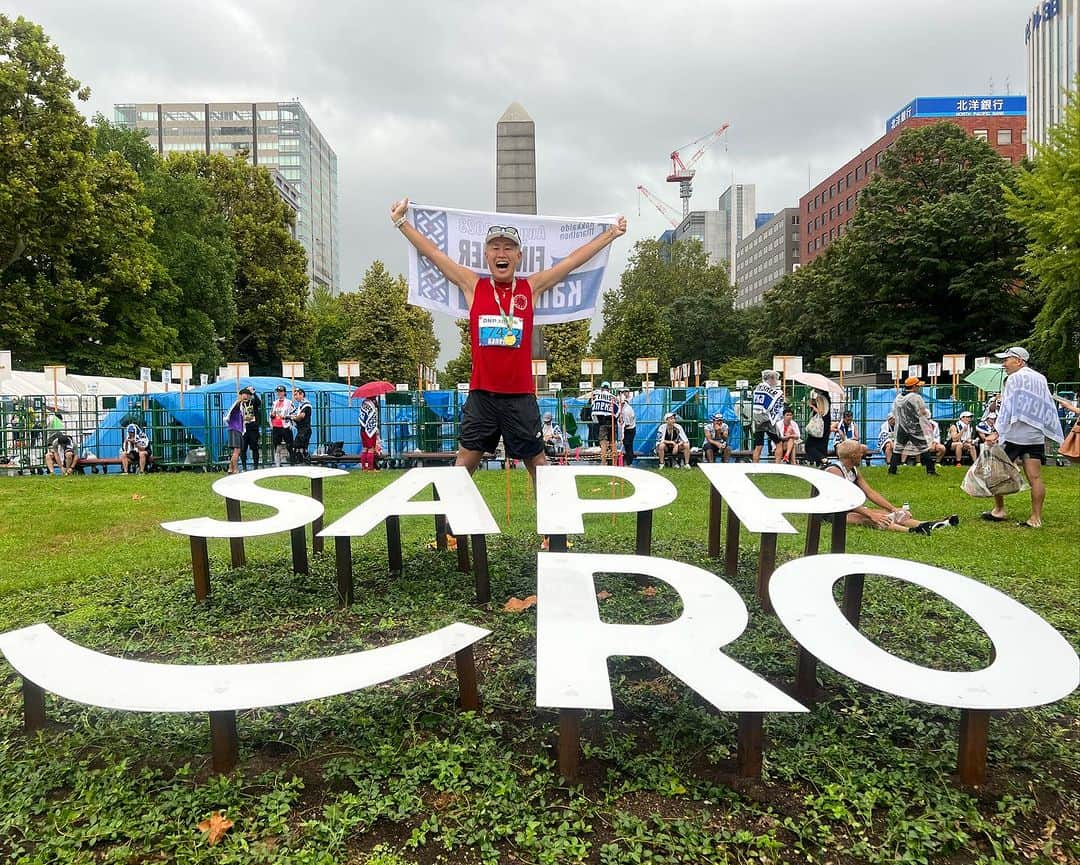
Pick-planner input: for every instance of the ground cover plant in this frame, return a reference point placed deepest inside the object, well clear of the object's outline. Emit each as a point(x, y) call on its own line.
point(397, 775)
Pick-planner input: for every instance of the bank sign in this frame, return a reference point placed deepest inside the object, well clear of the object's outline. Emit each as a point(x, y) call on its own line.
point(959, 106)
point(1044, 11)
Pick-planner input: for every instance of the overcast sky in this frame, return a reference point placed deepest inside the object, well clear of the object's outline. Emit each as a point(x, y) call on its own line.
point(408, 93)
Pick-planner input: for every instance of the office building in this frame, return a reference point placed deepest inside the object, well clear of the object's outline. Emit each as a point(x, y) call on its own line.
point(737, 212)
point(720, 230)
point(277, 135)
point(825, 210)
point(1053, 58)
point(515, 161)
point(766, 256)
point(761, 219)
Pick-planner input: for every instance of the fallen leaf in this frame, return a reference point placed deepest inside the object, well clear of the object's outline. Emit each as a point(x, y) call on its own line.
point(603, 596)
point(516, 605)
point(649, 591)
point(215, 827)
point(137, 497)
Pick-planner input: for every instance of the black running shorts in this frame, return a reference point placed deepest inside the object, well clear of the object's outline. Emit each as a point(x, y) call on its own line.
point(1029, 452)
point(515, 417)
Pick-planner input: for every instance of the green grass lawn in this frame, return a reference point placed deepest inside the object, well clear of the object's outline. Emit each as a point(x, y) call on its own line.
point(396, 775)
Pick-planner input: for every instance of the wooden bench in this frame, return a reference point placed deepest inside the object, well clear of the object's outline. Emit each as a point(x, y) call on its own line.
point(47, 661)
point(381, 461)
point(103, 463)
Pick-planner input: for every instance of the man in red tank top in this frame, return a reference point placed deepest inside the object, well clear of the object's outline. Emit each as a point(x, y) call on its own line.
point(502, 396)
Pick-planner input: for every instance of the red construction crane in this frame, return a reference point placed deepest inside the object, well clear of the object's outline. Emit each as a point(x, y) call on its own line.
point(683, 173)
point(671, 214)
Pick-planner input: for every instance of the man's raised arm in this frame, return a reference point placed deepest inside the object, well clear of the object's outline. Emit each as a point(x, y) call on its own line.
point(545, 279)
point(461, 276)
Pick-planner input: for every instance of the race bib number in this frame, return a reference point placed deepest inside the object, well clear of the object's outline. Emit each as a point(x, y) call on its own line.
point(494, 332)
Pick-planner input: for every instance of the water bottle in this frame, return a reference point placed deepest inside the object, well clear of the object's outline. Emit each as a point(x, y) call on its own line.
point(906, 507)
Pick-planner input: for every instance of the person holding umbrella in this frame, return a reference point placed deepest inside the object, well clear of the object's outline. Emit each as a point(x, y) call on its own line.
point(369, 433)
point(502, 392)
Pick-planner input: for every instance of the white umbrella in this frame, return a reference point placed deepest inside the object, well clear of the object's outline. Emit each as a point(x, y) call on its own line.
point(820, 382)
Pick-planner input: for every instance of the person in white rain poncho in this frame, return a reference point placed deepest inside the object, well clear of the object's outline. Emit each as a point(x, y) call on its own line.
point(913, 431)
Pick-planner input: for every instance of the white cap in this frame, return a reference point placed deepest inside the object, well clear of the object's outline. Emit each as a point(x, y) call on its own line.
point(1016, 351)
point(670, 414)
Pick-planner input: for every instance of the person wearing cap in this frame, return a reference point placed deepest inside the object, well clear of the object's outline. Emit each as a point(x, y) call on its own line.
point(604, 413)
point(962, 437)
point(913, 434)
point(60, 453)
point(766, 412)
point(301, 419)
point(554, 442)
point(671, 441)
point(502, 392)
point(135, 449)
point(628, 419)
point(281, 430)
point(234, 429)
point(845, 430)
point(716, 445)
point(1027, 418)
point(885, 516)
point(251, 406)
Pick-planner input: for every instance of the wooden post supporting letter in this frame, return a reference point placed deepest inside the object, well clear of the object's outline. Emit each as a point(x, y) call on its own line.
point(236, 545)
point(716, 506)
point(299, 550)
point(480, 562)
point(317, 543)
point(224, 744)
point(731, 544)
point(569, 742)
point(463, 554)
point(393, 544)
point(766, 566)
point(200, 567)
point(751, 739)
point(468, 694)
point(33, 706)
point(643, 545)
point(343, 564)
point(813, 535)
point(974, 733)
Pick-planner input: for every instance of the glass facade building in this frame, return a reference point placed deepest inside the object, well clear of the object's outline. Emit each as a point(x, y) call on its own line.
point(277, 135)
point(1053, 58)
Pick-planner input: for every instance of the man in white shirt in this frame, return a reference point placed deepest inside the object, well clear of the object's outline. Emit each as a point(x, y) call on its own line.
point(671, 441)
point(629, 426)
point(1027, 418)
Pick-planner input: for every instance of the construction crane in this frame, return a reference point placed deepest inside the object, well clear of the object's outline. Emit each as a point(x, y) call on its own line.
point(683, 173)
point(671, 214)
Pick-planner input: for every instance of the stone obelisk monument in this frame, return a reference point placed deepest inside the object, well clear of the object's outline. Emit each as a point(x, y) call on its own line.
point(515, 176)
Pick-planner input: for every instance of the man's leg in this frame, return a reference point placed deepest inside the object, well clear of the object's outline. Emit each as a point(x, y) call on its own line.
point(233, 460)
point(1033, 470)
point(685, 448)
point(142, 460)
point(530, 465)
point(927, 459)
point(628, 446)
point(471, 459)
point(124, 463)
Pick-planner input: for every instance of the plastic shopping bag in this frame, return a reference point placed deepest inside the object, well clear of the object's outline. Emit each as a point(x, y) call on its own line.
point(993, 474)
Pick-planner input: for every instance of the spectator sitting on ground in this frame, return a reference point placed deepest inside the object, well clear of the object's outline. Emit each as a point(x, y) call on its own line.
point(848, 456)
point(845, 430)
point(716, 444)
point(886, 437)
point(671, 441)
point(962, 437)
point(135, 449)
point(790, 436)
point(60, 453)
point(554, 441)
point(933, 428)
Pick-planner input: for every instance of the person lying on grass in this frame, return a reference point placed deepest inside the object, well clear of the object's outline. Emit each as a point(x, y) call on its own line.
point(848, 456)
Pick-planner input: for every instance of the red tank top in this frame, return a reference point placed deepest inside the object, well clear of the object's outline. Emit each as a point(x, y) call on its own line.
point(500, 333)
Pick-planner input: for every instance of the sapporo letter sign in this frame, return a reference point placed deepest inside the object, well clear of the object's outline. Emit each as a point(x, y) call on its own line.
point(1033, 664)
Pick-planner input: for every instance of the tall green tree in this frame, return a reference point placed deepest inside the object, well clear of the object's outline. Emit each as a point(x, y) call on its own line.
point(932, 260)
point(385, 334)
point(459, 369)
point(672, 304)
point(1046, 205)
point(567, 344)
point(328, 329)
point(192, 286)
point(75, 262)
point(270, 289)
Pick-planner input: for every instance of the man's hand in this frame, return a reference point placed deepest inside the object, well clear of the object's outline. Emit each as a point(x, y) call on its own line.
point(880, 518)
point(398, 209)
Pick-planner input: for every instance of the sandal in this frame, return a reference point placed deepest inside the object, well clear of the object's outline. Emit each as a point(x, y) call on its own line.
point(990, 517)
